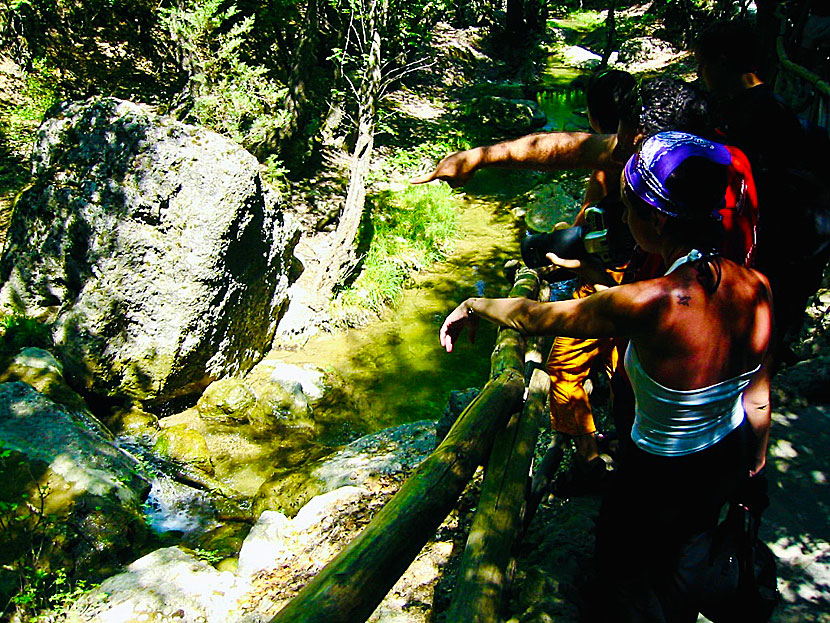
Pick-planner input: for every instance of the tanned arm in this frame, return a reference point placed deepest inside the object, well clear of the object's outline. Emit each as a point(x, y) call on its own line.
point(759, 416)
point(757, 404)
point(619, 311)
point(546, 151)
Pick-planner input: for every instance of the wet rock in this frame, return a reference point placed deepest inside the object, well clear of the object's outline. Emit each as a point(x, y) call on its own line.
point(184, 445)
point(310, 384)
point(152, 246)
point(257, 400)
point(227, 401)
point(390, 453)
point(82, 496)
point(133, 420)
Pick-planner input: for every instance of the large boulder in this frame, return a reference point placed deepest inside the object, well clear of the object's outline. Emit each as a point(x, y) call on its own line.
point(66, 490)
point(153, 248)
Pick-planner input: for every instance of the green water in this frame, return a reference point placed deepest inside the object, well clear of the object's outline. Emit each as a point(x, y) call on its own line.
point(564, 108)
point(395, 368)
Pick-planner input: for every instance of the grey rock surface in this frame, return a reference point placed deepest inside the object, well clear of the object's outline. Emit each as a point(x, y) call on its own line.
point(59, 463)
point(152, 246)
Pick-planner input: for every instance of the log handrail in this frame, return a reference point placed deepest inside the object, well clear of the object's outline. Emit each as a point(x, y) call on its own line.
point(483, 573)
point(508, 353)
point(349, 588)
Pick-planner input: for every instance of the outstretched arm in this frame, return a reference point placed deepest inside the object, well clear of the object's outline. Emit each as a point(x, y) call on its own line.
point(545, 151)
point(617, 311)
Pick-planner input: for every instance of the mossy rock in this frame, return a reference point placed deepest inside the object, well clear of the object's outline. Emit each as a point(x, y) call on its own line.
point(287, 493)
point(40, 369)
point(133, 420)
point(224, 541)
point(227, 401)
point(184, 445)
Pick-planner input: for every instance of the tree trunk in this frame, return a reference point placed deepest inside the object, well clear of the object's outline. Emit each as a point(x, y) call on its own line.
point(515, 20)
point(610, 35)
point(297, 101)
point(341, 257)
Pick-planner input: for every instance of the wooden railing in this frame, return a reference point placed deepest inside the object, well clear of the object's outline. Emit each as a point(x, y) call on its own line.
point(499, 429)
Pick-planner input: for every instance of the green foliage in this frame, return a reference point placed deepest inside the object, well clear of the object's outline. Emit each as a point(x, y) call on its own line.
point(19, 121)
point(584, 19)
point(409, 230)
point(18, 331)
point(28, 533)
point(210, 556)
point(273, 172)
point(225, 92)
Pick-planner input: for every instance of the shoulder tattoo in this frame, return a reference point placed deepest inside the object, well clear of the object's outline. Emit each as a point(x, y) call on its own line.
point(683, 299)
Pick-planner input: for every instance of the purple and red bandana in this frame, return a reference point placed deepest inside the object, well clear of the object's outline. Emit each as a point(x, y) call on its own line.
point(646, 172)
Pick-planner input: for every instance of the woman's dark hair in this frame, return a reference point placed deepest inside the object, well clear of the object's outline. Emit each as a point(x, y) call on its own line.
point(606, 89)
point(733, 42)
point(664, 104)
point(699, 185)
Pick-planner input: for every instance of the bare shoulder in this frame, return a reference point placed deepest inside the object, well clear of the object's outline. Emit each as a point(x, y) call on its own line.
point(641, 299)
point(748, 282)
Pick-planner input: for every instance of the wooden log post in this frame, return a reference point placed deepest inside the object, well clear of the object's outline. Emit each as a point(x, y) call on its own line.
point(510, 345)
point(350, 587)
point(482, 575)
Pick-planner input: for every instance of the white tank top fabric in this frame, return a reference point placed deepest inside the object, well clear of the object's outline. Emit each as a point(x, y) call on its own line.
point(670, 422)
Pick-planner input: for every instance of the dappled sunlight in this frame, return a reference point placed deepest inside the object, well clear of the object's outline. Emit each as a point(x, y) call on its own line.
point(796, 524)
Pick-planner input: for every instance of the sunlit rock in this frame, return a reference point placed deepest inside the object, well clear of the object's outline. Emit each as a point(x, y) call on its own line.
point(152, 246)
point(226, 401)
point(166, 585)
point(263, 544)
point(184, 445)
point(580, 57)
point(40, 369)
point(256, 400)
point(635, 51)
point(132, 420)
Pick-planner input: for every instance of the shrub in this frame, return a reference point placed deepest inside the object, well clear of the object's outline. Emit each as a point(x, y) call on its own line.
point(224, 92)
point(408, 230)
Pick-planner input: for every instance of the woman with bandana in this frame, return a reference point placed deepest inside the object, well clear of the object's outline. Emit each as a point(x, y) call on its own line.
point(698, 335)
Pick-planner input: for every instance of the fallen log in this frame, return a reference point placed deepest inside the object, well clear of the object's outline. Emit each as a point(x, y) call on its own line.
point(350, 587)
point(508, 353)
